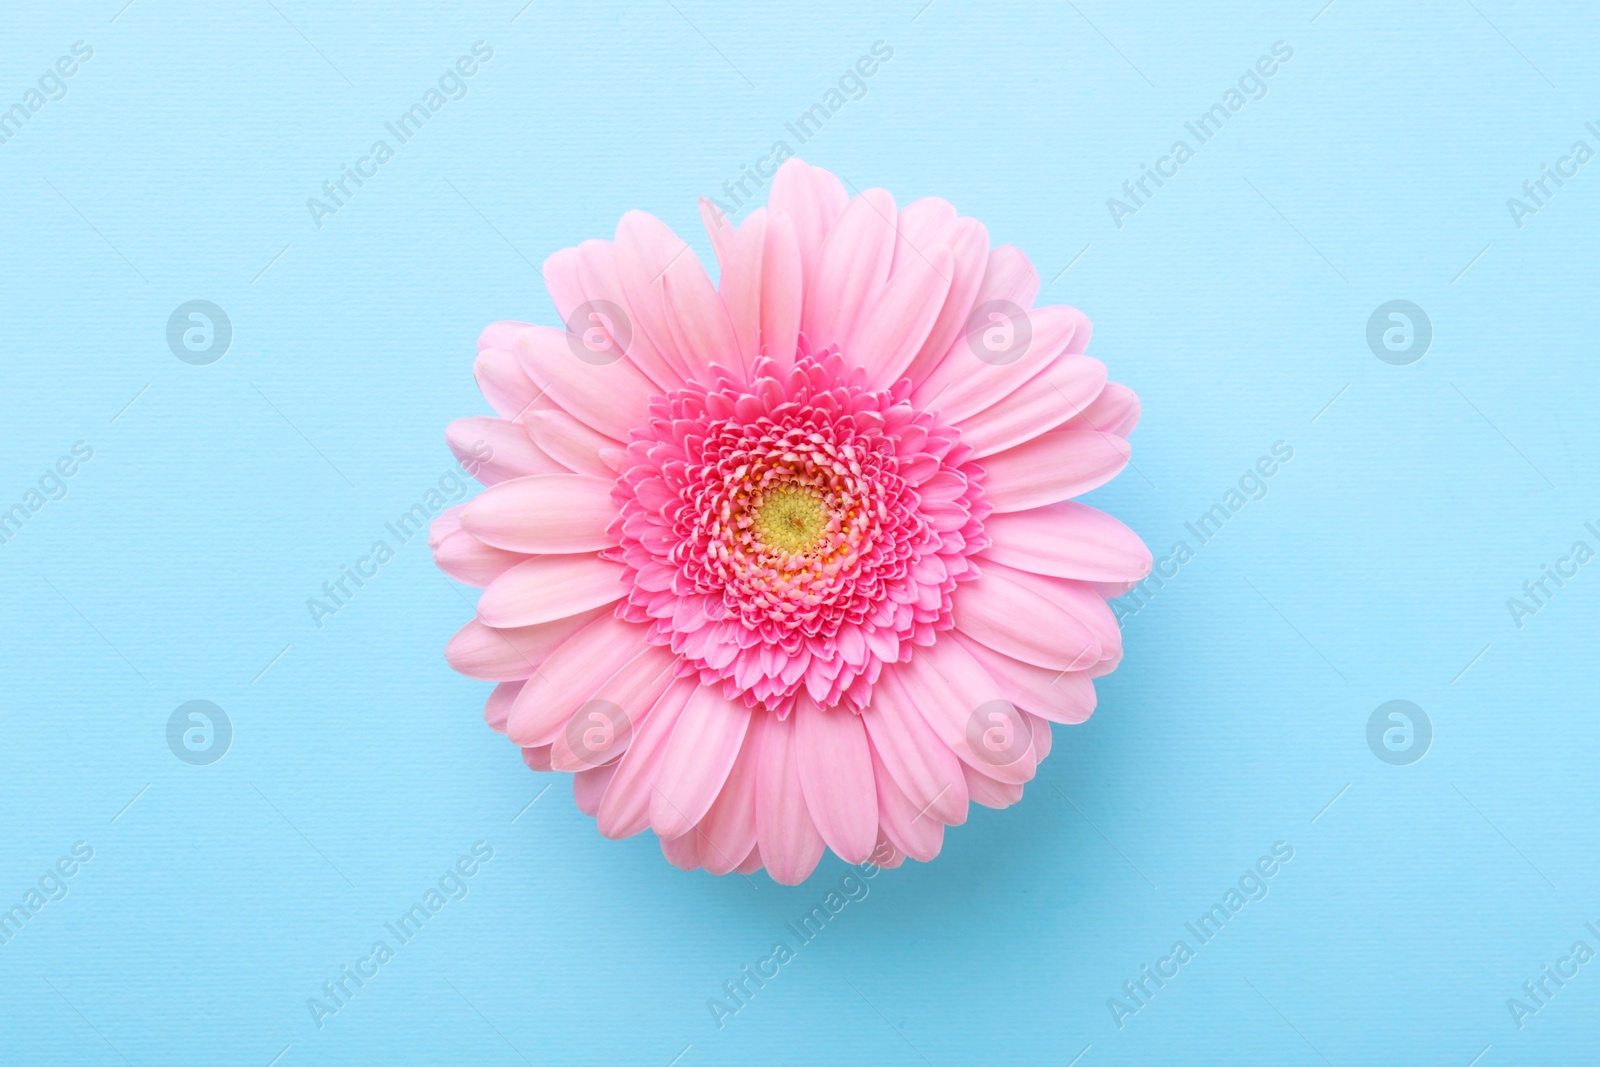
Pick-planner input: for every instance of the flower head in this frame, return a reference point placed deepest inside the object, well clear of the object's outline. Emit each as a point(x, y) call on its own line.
point(792, 561)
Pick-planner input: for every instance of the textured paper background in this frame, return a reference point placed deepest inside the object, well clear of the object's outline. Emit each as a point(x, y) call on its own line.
point(1419, 499)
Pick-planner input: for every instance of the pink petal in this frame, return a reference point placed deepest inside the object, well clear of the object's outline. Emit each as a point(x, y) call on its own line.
point(1075, 598)
point(498, 706)
point(812, 199)
point(893, 327)
point(493, 450)
point(649, 258)
point(612, 398)
point(537, 759)
point(544, 513)
point(729, 828)
point(702, 751)
point(560, 273)
point(1051, 467)
point(626, 808)
point(924, 767)
point(601, 728)
point(682, 852)
point(570, 675)
point(783, 290)
point(1066, 697)
point(1068, 540)
point(504, 384)
point(602, 285)
point(836, 778)
point(504, 655)
point(568, 442)
point(467, 559)
point(790, 845)
point(971, 378)
point(1115, 410)
point(1039, 405)
point(720, 229)
point(752, 862)
point(973, 709)
point(546, 588)
point(991, 793)
point(852, 268)
point(1019, 621)
point(911, 829)
point(920, 227)
point(968, 243)
point(589, 788)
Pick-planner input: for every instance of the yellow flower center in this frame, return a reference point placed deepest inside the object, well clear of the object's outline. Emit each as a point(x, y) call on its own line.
point(791, 519)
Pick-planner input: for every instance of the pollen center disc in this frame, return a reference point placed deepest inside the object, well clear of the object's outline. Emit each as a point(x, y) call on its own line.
point(791, 519)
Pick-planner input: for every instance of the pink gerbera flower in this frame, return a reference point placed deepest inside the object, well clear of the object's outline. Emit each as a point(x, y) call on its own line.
point(791, 561)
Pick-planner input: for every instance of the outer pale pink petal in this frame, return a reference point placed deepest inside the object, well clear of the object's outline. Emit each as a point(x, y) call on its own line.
point(752, 862)
point(894, 325)
point(812, 199)
point(1068, 540)
point(493, 450)
point(720, 229)
point(1042, 741)
point(467, 559)
point(836, 777)
point(1019, 621)
point(544, 513)
point(970, 688)
point(968, 243)
point(572, 445)
point(650, 259)
point(1052, 467)
point(920, 229)
point(913, 831)
point(498, 706)
point(537, 759)
point(1115, 410)
point(1039, 405)
point(1075, 598)
point(885, 855)
point(702, 751)
point(924, 767)
point(791, 847)
point(962, 385)
point(570, 675)
point(783, 288)
point(503, 655)
point(698, 320)
point(729, 828)
point(626, 807)
point(444, 524)
point(546, 588)
point(989, 792)
point(682, 852)
point(634, 690)
point(500, 335)
point(597, 268)
point(853, 267)
point(740, 285)
point(560, 272)
point(1066, 697)
point(589, 787)
point(613, 398)
point(504, 384)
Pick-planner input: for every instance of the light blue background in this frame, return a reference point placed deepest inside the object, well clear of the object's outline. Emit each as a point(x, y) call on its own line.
point(178, 565)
